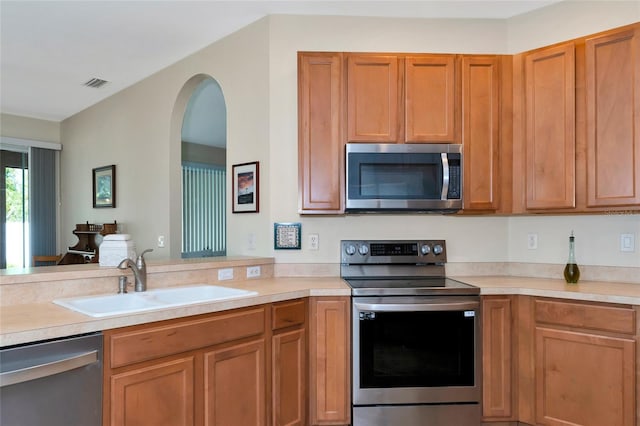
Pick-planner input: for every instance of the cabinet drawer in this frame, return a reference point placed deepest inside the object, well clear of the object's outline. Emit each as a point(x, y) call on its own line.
point(614, 319)
point(129, 347)
point(286, 314)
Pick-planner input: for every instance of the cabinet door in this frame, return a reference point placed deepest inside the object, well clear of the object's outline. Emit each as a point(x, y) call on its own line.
point(584, 379)
point(613, 117)
point(497, 374)
point(372, 98)
point(289, 378)
point(329, 356)
point(481, 132)
point(550, 128)
point(234, 385)
point(430, 98)
point(320, 142)
point(160, 394)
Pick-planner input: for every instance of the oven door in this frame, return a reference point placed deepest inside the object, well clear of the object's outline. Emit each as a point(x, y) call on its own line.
point(416, 350)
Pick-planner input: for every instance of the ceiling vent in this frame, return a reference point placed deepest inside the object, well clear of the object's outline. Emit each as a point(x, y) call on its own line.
point(96, 83)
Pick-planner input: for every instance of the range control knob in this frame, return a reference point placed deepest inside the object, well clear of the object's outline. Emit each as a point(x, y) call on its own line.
point(437, 249)
point(425, 249)
point(363, 250)
point(350, 249)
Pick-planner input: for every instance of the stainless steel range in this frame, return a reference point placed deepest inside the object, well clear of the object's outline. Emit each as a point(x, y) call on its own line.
point(416, 336)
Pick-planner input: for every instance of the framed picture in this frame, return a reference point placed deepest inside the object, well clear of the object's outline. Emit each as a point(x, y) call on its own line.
point(104, 186)
point(245, 188)
point(286, 236)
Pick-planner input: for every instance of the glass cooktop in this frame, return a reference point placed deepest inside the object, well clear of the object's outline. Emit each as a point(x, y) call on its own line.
point(408, 286)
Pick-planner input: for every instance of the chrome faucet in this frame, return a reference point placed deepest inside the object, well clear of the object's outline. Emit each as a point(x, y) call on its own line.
point(139, 268)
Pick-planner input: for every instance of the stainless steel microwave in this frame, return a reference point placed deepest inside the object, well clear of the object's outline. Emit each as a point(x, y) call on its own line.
point(403, 178)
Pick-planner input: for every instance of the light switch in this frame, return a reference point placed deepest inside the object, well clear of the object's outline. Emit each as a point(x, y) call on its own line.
point(627, 243)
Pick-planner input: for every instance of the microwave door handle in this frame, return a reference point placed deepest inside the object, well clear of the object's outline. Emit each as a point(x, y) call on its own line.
point(416, 307)
point(445, 176)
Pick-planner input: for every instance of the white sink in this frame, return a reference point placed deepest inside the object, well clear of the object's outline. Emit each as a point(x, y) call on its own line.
point(195, 294)
point(118, 304)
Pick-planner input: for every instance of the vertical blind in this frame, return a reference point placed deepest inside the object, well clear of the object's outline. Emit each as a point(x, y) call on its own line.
point(42, 209)
point(203, 210)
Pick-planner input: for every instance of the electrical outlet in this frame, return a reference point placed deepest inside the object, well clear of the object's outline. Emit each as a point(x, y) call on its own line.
point(253, 271)
point(532, 241)
point(225, 274)
point(314, 241)
point(627, 242)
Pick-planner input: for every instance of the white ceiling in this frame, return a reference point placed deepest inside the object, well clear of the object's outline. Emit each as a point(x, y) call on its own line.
point(49, 49)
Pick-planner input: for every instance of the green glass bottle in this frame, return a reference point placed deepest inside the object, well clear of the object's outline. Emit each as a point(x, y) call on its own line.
point(571, 271)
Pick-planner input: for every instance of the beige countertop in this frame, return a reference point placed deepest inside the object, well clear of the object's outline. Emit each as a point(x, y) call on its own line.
point(38, 321)
point(30, 322)
point(595, 291)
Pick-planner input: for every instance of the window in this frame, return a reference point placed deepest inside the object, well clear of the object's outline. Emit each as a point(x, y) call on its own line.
point(28, 200)
point(15, 209)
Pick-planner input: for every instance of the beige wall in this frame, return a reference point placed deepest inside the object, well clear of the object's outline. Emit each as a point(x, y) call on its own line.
point(568, 20)
point(479, 239)
point(138, 131)
point(29, 128)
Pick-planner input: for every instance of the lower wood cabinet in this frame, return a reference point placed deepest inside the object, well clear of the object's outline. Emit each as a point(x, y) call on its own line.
point(330, 355)
point(234, 388)
point(559, 362)
point(156, 394)
point(497, 364)
point(207, 369)
point(289, 378)
point(289, 364)
point(585, 364)
point(245, 367)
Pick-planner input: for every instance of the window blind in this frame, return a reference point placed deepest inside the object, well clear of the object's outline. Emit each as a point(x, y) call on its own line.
point(203, 210)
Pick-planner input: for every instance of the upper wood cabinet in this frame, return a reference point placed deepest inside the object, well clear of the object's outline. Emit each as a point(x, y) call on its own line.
point(576, 125)
point(481, 132)
point(430, 99)
point(552, 130)
point(372, 98)
point(320, 134)
point(550, 153)
point(402, 98)
point(613, 118)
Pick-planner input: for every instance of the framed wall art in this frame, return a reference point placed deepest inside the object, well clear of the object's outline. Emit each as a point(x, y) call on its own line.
point(286, 236)
point(104, 186)
point(245, 187)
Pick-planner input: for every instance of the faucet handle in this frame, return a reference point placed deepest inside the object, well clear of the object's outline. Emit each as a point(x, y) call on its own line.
point(140, 261)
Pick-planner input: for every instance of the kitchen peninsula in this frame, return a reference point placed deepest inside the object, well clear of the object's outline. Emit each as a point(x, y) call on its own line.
point(522, 318)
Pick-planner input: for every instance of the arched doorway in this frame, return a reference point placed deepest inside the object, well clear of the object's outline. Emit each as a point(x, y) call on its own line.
point(203, 137)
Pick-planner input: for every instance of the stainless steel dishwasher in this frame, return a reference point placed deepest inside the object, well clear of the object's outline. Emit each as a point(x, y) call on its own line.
point(52, 383)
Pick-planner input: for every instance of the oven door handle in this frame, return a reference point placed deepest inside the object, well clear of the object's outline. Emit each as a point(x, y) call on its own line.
point(414, 307)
